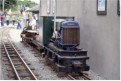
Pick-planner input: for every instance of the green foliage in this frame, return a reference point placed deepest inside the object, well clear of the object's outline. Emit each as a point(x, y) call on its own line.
point(8, 4)
point(27, 3)
point(14, 5)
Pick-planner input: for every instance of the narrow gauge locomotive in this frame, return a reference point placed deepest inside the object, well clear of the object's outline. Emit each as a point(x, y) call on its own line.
point(62, 49)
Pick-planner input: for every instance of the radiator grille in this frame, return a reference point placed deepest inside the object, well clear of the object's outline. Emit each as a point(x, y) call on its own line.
point(71, 36)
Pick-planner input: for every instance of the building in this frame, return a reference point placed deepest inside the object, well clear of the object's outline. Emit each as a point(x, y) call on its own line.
point(99, 34)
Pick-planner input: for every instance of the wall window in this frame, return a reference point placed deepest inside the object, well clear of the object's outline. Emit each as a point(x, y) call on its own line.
point(101, 7)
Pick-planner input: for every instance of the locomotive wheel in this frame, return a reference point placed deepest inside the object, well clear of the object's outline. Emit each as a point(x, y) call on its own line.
point(47, 61)
point(61, 74)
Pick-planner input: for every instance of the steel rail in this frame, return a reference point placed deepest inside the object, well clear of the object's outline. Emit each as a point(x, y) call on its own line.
point(32, 74)
point(86, 77)
point(71, 77)
point(13, 67)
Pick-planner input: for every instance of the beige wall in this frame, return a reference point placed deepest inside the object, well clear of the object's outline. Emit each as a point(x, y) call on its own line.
point(99, 35)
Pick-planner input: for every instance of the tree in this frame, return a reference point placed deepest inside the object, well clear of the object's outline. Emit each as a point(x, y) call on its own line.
point(14, 5)
point(8, 4)
point(25, 3)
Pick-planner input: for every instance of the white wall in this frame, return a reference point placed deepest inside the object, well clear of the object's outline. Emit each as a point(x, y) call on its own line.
point(99, 35)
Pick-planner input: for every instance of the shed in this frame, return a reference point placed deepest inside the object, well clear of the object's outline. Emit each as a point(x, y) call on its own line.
point(34, 9)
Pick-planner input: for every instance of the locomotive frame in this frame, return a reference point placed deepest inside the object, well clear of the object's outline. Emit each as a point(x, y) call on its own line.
point(67, 61)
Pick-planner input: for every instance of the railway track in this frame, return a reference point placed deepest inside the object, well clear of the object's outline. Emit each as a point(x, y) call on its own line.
point(78, 77)
point(18, 69)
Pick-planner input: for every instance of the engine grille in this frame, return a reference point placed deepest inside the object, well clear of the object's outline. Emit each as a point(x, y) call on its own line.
point(71, 36)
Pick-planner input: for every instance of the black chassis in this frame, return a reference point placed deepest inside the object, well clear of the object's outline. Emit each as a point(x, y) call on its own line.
point(67, 61)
